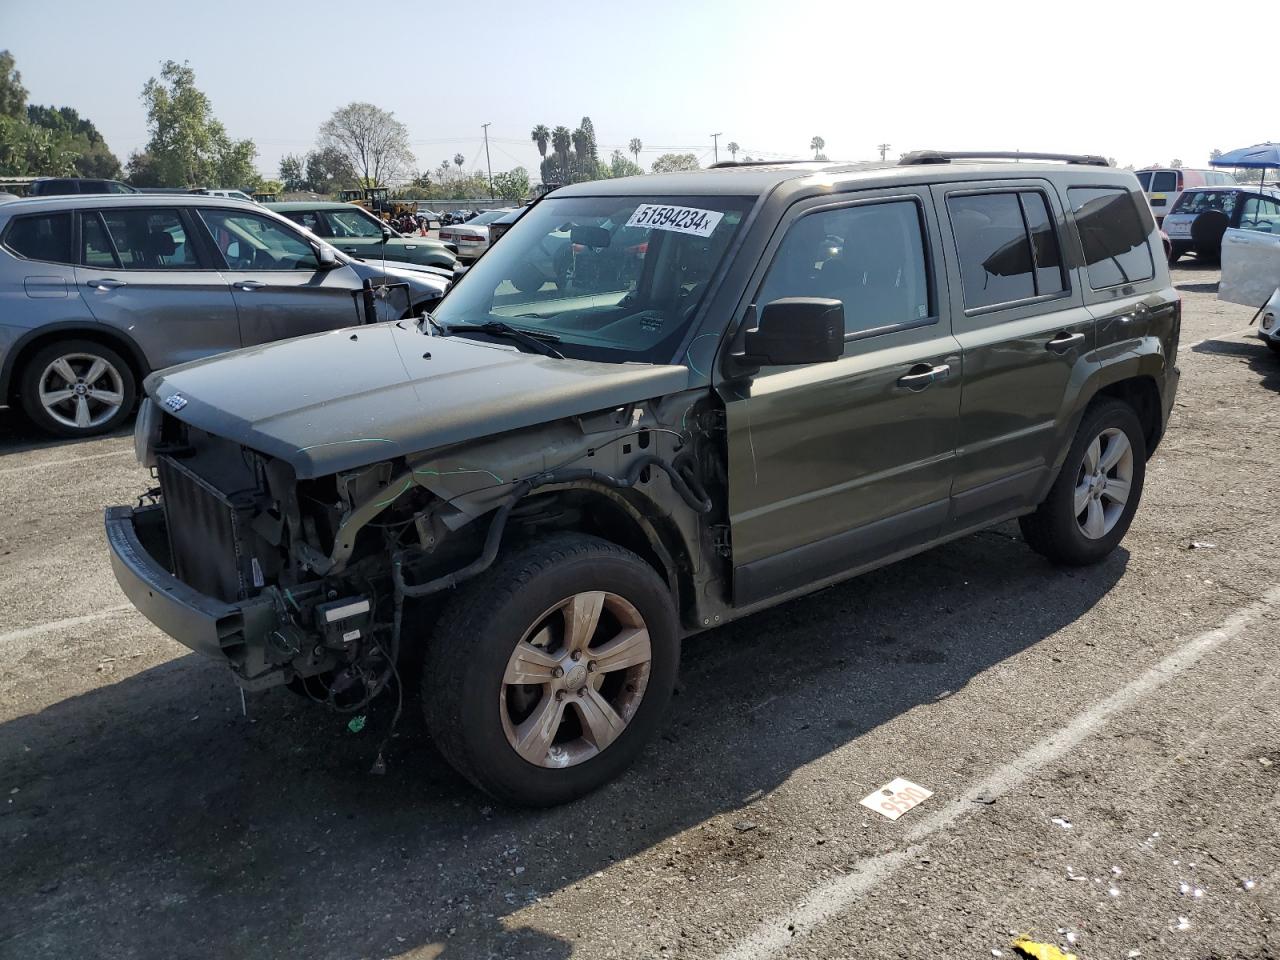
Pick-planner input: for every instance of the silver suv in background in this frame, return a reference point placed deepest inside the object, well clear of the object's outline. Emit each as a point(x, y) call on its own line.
point(98, 291)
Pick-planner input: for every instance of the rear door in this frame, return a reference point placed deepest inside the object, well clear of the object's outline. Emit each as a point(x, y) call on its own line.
point(1124, 277)
point(1163, 192)
point(837, 465)
point(279, 288)
point(1023, 330)
point(1251, 253)
point(140, 270)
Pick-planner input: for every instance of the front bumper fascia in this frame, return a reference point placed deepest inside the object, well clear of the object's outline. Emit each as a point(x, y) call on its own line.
point(236, 633)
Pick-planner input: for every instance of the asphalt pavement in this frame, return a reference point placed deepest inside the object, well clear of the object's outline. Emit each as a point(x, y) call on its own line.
point(1102, 747)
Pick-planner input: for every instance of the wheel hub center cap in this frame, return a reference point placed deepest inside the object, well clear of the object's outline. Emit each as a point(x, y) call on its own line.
point(576, 678)
point(80, 389)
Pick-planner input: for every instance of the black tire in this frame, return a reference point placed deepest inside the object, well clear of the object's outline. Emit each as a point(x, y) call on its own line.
point(1275, 346)
point(1053, 530)
point(466, 658)
point(120, 375)
point(1207, 231)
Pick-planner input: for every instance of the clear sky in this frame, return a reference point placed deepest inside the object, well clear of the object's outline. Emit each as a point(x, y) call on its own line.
point(1124, 79)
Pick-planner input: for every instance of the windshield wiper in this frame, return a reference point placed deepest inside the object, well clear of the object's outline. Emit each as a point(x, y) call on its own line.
point(534, 342)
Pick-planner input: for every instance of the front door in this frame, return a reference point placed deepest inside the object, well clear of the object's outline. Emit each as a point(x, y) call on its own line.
point(1023, 328)
point(1251, 254)
point(279, 288)
point(834, 466)
point(140, 272)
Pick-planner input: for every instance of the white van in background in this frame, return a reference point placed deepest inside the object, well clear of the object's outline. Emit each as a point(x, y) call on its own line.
point(1162, 185)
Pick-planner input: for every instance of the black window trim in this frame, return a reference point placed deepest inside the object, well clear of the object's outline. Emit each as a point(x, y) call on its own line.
point(935, 314)
point(1137, 209)
point(111, 241)
point(71, 229)
point(1039, 298)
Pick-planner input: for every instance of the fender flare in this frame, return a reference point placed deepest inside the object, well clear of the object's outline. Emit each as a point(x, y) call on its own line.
point(70, 328)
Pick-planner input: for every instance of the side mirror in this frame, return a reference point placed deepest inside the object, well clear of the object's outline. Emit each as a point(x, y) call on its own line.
point(796, 330)
point(326, 258)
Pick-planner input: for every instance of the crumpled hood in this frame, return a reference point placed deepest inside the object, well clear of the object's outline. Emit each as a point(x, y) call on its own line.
point(347, 398)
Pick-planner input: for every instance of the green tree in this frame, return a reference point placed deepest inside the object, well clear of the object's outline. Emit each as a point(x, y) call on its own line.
point(373, 142)
point(1176, 164)
point(458, 160)
point(635, 146)
point(733, 149)
point(541, 136)
point(816, 145)
point(189, 147)
point(673, 162)
point(13, 95)
point(78, 136)
point(293, 173)
point(620, 166)
point(561, 141)
point(328, 172)
point(27, 150)
point(513, 184)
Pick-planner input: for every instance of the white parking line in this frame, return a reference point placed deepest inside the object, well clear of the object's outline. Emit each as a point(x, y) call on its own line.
point(830, 900)
point(14, 637)
point(63, 463)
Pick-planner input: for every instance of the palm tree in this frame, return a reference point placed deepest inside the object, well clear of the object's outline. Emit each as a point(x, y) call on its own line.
point(457, 160)
point(635, 146)
point(561, 139)
point(541, 136)
point(816, 145)
point(733, 149)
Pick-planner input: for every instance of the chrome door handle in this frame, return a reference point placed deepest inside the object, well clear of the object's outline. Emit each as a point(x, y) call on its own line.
point(106, 283)
point(922, 375)
point(248, 285)
point(1064, 342)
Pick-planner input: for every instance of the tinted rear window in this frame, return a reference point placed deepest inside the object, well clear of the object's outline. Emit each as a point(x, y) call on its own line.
point(1144, 179)
point(41, 237)
point(1113, 234)
point(1166, 181)
point(1008, 247)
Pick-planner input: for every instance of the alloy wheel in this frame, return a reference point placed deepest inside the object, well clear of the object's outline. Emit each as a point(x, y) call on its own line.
point(575, 680)
point(1103, 483)
point(81, 391)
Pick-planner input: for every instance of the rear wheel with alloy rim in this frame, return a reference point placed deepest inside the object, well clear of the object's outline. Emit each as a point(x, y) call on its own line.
point(1090, 506)
point(77, 388)
point(546, 676)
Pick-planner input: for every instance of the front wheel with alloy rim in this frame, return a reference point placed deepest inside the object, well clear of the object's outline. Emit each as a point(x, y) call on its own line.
point(1090, 506)
point(77, 388)
point(546, 676)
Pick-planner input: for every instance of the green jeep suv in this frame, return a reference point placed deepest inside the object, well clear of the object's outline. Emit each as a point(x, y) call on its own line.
point(658, 404)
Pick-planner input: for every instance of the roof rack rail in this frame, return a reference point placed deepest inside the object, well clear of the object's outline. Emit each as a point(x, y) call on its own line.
point(757, 163)
point(946, 156)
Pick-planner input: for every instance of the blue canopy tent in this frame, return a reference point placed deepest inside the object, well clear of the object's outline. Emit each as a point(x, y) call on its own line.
point(1260, 156)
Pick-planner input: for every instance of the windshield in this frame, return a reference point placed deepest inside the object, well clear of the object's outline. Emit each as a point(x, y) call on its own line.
point(613, 278)
point(489, 217)
point(1201, 201)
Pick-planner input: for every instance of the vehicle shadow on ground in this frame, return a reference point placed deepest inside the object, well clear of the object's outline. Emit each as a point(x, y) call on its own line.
point(153, 820)
point(17, 435)
point(1253, 352)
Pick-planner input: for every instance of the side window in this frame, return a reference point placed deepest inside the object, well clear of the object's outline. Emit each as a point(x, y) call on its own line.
point(869, 256)
point(1166, 181)
point(1008, 247)
point(251, 242)
point(1113, 234)
point(310, 220)
point(1144, 179)
point(149, 239)
point(1260, 214)
point(43, 237)
point(95, 245)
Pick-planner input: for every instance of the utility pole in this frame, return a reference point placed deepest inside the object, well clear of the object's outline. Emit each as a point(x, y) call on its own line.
point(488, 165)
point(884, 148)
point(715, 145)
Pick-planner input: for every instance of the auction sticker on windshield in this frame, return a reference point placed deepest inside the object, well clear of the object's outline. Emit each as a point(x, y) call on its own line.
point(659, 216)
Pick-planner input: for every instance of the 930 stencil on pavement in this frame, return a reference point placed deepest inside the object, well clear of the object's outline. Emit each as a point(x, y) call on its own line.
point(895, 798)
